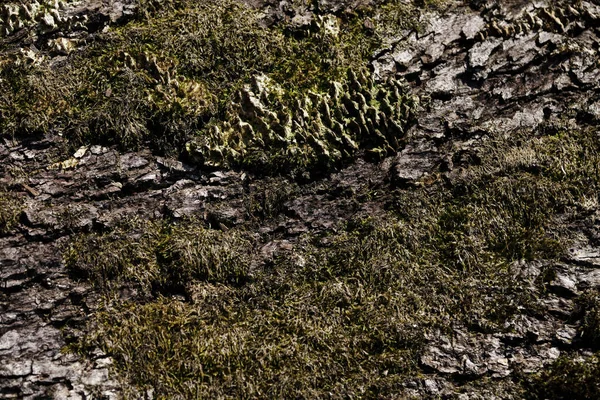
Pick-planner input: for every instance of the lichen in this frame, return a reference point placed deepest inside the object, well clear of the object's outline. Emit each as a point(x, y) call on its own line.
point(266, 130)
point(44, 15)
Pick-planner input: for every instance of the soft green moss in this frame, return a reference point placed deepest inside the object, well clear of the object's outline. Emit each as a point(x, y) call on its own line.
point(125, 254)
point(152, 80)
point(346, 312)
point(220, 348)
point(589, 308)
point(10, 209)
point(568, 378)
point(155, 256)
point(159, 78)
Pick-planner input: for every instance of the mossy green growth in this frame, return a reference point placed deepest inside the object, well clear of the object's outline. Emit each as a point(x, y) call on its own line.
point(217, 347)
point(127, 253)
point(589, 307)
point(150, 81)
point(569, 377)
point(346, 318)
point(346, 312)
point(159, 78)
point(10, 209)
point(159, 257)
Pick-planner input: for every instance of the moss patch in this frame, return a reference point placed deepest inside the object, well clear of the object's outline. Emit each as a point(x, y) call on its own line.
point(589, 307)
point(10, 209)
point(346, 312)
point(160, 257)
point(568, 378)
point(158, 79)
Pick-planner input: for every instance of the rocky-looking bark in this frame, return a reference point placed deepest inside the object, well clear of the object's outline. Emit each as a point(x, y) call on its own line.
point(498, 84)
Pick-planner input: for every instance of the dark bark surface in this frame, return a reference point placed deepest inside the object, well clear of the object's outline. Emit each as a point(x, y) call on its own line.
point(481, 70)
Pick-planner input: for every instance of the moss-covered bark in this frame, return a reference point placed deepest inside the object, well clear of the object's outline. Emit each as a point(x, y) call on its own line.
point(345, 313)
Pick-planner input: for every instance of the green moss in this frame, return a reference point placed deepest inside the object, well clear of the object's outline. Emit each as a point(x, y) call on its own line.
point(568, 378)
point(342, 313)
point(126, 254)
point(156, 256)
point(10, 209)
point(189, 253)
point(158, 79)
point(150, 81)
point(589, 307)
point(219, 348)
point(345, 318)
point(345, 312)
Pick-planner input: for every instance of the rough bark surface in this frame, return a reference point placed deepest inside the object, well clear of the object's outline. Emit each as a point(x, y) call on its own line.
point(492, 67)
